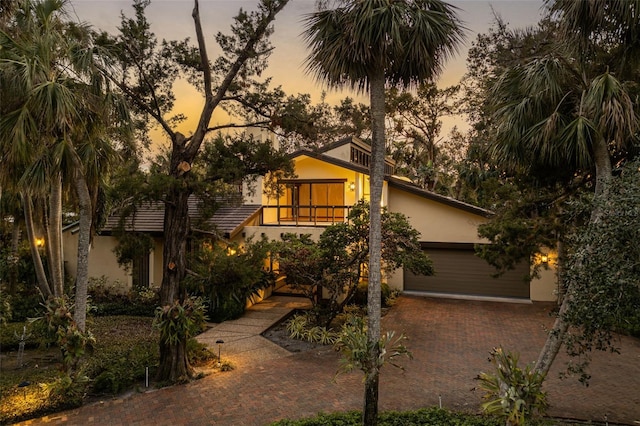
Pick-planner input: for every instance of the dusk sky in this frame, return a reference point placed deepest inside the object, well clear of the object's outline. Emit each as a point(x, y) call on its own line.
point(171, 19)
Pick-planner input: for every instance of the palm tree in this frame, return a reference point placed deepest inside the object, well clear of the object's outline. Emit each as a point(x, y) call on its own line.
point(366, 45)
point(59, 109)
point(572, 109)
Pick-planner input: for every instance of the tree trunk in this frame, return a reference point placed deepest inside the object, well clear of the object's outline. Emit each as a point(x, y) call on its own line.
point(173, 360)
point(602, 162)
point(371, 387)
point(84, 241)
point(560, 326)
point(554, 339)
point(41, 275)
point(377, 83)
point(14, 256)
point(560, 269)
point(174, 365)
point(54, 236)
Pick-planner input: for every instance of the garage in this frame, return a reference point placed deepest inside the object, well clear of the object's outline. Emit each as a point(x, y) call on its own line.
point(459, 272)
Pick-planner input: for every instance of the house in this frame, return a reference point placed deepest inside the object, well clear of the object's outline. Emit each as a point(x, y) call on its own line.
point(328, 182)
point(146, 271)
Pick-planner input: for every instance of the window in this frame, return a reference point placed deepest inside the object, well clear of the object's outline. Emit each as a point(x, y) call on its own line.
point(314, 201)
point(140, 272)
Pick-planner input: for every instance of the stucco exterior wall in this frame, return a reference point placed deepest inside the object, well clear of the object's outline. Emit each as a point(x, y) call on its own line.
point(102, 261)
point(545, 287)
point(342, 152)
point(312, 168)
point(438, 222)
point(435, 221)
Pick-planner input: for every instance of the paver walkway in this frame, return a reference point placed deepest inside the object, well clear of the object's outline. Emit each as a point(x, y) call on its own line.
point(450, 341)
point(243, 342)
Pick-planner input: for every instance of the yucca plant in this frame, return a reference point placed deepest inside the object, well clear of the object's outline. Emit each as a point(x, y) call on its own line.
point(354, 346)
point(511, 392)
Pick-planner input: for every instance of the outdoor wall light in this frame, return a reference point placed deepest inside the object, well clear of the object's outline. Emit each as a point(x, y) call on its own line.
point(352, 186)
point(544, 258)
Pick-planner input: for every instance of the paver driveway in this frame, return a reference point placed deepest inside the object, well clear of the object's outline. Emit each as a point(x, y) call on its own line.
point(450, 341)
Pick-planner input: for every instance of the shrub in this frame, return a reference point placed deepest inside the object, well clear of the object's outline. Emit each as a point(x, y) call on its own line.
point(67, 391)
point(125, 347)
point(25, 304)
point(107, 299)
point(512, 393)
point(302, 327)
point(631, 323)
point(11, 333)
point(180, 320)
point(426, 417)
point(199, 353)
point(226, 277)
point(388, 295)
point(5, 309)
point(73, 342)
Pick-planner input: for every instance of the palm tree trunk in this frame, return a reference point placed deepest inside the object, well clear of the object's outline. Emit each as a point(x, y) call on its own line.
point(370, 412)
point(84, 246)
point(54, 236)
point(15, 244)
point(41, 275)
point(604, 176)
point(560, 326)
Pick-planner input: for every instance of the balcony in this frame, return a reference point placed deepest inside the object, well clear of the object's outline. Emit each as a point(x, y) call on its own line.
point(292, 215)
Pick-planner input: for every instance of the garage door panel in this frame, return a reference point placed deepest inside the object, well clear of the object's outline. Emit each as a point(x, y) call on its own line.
point(460, 272)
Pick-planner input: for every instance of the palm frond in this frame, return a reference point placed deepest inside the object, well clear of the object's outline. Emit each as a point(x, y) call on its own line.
point(612, 108)
point(408, 39)
point(577, 140)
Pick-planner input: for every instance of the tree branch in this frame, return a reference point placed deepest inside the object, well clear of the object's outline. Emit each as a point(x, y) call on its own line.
point(211, 100)
point(143, 106)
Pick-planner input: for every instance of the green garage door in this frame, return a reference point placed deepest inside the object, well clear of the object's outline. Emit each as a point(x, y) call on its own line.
point(458, 271)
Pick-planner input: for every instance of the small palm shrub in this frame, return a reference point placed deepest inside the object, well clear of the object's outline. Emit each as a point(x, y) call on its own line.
point(302, 327)
point(511, 392)
point(355, 348)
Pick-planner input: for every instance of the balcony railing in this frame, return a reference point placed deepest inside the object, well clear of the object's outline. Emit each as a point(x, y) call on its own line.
point(304, 215)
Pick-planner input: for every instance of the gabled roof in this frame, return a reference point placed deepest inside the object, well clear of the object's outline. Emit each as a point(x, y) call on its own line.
point(331, 160)
point(227, 221)
point(414, 189)
point(393, 181)
point(351, 140)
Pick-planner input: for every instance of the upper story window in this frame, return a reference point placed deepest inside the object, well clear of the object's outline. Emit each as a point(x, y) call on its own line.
point(313, 200)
